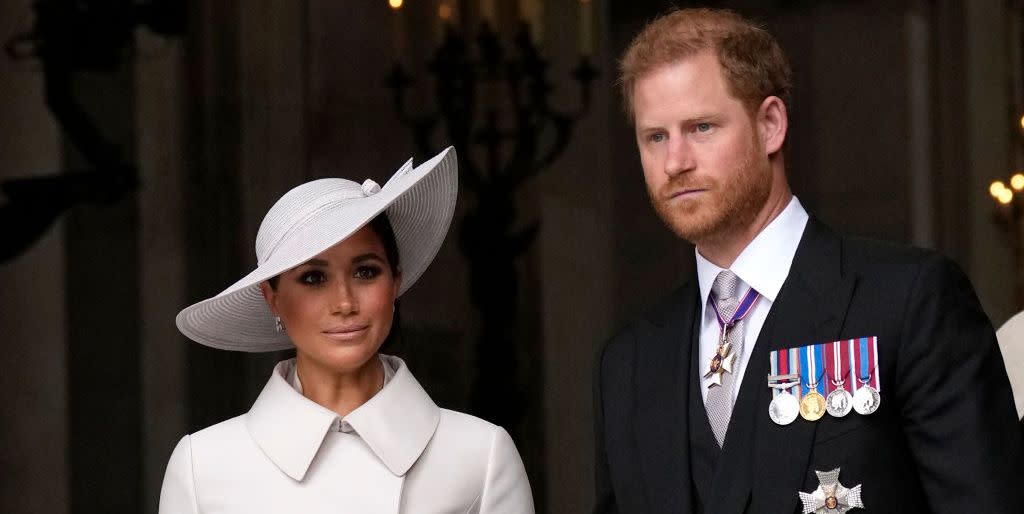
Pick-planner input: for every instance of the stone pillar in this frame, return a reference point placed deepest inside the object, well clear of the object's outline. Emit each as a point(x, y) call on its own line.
point(159, 85)
point(989, 123)
point(35, 428)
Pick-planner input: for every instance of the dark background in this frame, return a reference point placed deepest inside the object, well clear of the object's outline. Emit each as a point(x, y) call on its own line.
point(903, 113)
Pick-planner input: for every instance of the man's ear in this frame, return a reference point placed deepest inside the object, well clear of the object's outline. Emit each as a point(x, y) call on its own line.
point(269, 295)
point(772, 123)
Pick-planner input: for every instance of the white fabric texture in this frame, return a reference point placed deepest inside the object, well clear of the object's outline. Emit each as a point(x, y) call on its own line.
point(1011, 345)
point(764, 265)
point(313, 217)
point(404, 455)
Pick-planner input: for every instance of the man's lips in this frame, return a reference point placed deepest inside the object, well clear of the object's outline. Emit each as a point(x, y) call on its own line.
point(682, 193)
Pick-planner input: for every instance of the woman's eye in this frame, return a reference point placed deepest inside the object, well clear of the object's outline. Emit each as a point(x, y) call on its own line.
point(657, 138)
point(312, 278)
point(367, 272)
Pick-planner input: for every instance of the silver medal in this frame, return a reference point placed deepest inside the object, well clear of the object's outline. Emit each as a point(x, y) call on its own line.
point(866, 400)
point(839, 403)
point(784, 408)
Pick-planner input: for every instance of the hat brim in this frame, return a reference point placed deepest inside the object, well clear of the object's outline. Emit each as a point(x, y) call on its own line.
point(419, 203)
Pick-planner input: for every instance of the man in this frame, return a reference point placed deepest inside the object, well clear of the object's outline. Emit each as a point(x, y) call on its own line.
point(697, 401)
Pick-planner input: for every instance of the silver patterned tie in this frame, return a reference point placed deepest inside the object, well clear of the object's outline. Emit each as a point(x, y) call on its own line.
point(720, 398)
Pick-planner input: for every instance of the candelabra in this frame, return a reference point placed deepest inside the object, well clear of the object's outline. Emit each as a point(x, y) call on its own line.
point(1010, 215)
point(498, 108)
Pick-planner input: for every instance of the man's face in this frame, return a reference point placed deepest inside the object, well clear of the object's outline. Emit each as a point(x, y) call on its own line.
point(704, 162)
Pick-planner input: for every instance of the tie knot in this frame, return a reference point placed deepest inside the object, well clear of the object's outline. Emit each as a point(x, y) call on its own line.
point(725, 286)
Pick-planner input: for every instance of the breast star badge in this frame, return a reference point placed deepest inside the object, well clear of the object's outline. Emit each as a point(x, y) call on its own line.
point(831, 497)
point(721, 364)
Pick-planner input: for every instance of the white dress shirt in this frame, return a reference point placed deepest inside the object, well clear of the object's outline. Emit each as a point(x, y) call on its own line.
point(764, 265)
point(403, 454)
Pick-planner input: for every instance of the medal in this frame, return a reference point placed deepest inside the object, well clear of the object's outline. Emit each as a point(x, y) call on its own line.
point(724, 359)
point(866, 400)
point(831, 497)
point(812, 405)
point(867, 397)
point(783, 408)
point(721, 364)
point(839, 402)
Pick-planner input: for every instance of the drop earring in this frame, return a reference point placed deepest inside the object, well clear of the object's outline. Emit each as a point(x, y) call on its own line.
point(278, 324)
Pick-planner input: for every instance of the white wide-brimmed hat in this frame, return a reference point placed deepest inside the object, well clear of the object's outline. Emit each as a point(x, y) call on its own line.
point(313, 217)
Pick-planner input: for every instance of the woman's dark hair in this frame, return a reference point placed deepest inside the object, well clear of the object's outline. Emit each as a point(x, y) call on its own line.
point(381, 226)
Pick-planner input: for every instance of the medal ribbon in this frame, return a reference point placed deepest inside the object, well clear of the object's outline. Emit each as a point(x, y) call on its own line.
point(782, 377)
point(811, 359)
point(746, 305)
point(794, 367)
point(866, 352)
point(774, 358)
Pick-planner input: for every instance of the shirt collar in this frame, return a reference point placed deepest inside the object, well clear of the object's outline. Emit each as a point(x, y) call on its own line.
point(396, 423)
point(764, 264)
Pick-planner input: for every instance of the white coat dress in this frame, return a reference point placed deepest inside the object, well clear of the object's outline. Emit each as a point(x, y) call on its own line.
point(397, 453)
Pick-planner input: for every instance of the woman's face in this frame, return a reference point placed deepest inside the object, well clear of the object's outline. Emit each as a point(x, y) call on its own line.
point(338, 307)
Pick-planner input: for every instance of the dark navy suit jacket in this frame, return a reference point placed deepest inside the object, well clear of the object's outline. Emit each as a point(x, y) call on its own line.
point(946, 438)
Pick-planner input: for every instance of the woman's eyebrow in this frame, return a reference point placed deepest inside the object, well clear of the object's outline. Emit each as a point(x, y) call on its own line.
point(320, 263)
point(371, 256)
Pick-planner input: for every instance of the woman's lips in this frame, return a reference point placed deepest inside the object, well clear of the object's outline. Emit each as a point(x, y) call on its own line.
point(345, 333)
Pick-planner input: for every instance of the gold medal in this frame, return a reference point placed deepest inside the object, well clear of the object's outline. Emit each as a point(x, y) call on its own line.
point(812, 406)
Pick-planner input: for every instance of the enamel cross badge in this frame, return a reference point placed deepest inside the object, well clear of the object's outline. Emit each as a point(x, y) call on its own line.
point(831, 497)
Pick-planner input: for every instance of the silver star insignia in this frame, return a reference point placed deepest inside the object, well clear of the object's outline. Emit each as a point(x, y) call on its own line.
point(831, 497)
point(726, 358)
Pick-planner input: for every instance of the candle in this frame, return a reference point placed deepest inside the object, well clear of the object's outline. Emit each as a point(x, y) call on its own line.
point(488, 13)
point(586, 28)
point(532, 12)
point(398, 28)
point(445, 17)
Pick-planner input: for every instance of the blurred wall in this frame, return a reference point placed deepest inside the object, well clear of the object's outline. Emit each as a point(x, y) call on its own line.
point(32, 314)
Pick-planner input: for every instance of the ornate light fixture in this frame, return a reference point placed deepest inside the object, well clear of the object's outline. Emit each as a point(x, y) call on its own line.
point(1009, 197)
point(493, 103)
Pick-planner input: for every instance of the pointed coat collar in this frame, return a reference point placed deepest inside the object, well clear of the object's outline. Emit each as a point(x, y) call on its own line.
point(397, 423)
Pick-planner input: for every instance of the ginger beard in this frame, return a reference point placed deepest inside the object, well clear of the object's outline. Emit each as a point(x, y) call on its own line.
point(725, 208)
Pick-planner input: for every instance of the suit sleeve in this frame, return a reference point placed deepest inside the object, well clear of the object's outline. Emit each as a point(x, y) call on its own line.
point(604, 501)
point(506, 487)
point(956, 405)
point(178, 493)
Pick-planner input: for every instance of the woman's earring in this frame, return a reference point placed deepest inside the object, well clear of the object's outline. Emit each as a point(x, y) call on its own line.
point(278, 324)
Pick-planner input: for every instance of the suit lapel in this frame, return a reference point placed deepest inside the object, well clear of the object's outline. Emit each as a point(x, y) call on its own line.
point(761, 457)
point(661, 386)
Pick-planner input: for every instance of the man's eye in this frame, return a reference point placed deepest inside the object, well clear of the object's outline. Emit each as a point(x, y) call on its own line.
point(312, 278)
point(367, 272)
point(657, 137)
point(703, 127)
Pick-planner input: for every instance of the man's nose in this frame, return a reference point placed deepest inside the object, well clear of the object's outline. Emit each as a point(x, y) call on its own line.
point(679, 156)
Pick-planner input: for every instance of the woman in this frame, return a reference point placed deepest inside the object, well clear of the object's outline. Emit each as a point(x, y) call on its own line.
point(341, 427)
